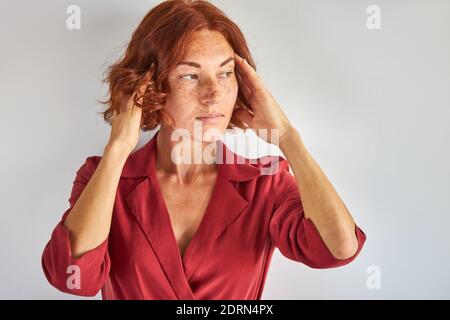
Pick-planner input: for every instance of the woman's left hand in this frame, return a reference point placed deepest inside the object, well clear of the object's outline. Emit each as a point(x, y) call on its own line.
point(266, 113)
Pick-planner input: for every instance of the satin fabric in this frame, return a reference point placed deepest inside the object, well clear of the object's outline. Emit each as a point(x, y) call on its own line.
point(250, 214)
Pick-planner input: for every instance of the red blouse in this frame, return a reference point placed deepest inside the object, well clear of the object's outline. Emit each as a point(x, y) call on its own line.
point(249, 215)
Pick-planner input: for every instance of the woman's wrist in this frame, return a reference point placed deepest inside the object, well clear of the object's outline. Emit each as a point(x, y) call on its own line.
point(287, 136)
point(117, 150)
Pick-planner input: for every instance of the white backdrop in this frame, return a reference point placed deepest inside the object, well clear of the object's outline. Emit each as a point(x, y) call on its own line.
point(372, 107)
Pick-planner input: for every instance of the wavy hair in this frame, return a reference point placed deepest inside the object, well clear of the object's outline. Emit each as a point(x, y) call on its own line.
point(155, 49)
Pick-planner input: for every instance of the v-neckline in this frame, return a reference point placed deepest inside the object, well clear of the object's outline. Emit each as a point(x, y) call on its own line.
point(225, 206)
point(166, 213)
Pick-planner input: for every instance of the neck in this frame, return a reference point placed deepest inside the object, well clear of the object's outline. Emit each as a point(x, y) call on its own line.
point(184, 158)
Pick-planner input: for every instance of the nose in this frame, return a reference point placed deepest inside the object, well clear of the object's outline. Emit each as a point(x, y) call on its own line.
point(209, 91)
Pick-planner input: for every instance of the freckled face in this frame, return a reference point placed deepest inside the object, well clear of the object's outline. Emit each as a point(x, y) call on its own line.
point(204, 83)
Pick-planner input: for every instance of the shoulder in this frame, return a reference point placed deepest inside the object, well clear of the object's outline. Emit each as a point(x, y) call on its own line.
point(274, 170)
point(273, 166)
point(277, 172)
point(278, 163)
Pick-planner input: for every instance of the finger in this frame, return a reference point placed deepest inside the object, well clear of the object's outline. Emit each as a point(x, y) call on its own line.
point(244, 85)
point(241, 77)
point(242, 81)
point(246, 92)
point(239, 123)
point(248, 72)
point(245, 116)
point(140, 91)
point(125, 104)
point(244, 88)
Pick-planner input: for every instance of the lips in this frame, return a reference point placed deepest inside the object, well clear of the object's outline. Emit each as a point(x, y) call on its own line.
point(210, 115)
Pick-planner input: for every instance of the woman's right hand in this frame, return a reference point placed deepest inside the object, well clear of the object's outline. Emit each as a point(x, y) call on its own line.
point(125, 127)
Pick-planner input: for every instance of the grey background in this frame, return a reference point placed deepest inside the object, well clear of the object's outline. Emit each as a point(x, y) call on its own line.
point(372, 107)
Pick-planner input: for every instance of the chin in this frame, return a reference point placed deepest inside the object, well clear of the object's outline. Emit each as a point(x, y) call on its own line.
point(212, 133)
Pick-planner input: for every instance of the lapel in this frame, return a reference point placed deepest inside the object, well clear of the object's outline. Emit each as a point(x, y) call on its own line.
point(148, 207)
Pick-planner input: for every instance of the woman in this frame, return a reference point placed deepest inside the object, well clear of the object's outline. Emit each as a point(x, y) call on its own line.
point(145, 225)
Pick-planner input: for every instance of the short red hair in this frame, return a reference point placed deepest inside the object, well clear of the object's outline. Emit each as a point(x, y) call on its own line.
point(158, 45)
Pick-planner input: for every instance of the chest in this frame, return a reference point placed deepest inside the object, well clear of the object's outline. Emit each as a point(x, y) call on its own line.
point(186, 207)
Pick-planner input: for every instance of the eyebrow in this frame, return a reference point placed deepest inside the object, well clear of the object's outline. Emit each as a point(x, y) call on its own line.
point(197, 65)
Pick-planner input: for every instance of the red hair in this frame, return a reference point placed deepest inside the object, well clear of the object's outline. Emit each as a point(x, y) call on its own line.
point(155, 49)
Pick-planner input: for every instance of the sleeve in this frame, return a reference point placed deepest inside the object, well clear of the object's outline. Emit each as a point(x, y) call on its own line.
point(295, 236)
point(85, 275)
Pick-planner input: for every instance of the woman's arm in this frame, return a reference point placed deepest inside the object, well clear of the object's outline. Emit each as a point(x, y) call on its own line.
point(89, 220)
point(76, 259)
point(320, 201)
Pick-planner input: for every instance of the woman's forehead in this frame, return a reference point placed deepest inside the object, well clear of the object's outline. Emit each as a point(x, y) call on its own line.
point(208, 45)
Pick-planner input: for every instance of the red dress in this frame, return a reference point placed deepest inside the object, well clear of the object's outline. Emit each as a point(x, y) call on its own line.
point(249, 215)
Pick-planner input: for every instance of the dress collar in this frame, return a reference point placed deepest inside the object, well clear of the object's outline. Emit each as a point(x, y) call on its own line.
point(142, 163)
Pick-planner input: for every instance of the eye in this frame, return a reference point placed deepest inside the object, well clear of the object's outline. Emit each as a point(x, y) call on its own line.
point(225, 75)
point(190, 76)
